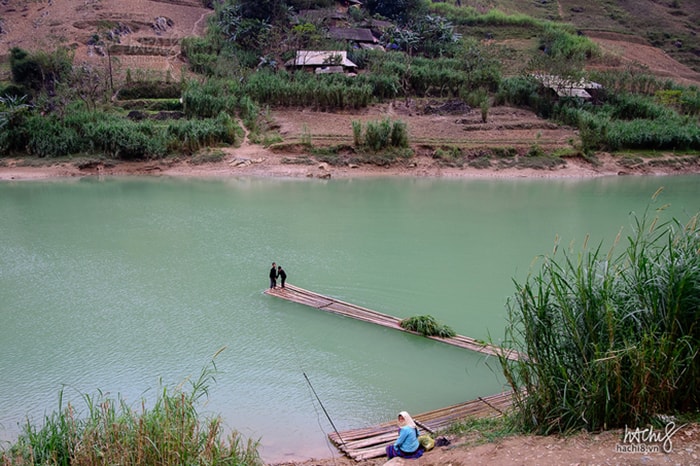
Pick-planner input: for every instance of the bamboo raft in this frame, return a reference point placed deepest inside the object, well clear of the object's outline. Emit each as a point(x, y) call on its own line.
point(371, 442)
point(335, 306)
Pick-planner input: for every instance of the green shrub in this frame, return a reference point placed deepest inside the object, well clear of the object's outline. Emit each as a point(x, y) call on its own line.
point(150, 90)
point(189, 136)
point(380, 135)
point(562, 44)
point(426, 325)
point(40, 71)
point(673, 133)
point(635, 106)
point(206, 100)
point(125, 139)
point(50, 137)
point(690, 101)
point(14, 112)
point(308, 90)
point(399, 134)
point(517, 91)
point(357, 133)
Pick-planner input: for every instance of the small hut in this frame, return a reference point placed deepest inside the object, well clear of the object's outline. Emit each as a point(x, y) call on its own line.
point(586, 90)
point(321, 61)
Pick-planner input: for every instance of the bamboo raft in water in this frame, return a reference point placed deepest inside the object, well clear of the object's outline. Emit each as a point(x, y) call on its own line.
point(335, 306)
point(371, 442)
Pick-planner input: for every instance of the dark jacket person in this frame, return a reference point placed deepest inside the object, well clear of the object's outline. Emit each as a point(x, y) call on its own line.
point(273, 276)
point(282, 274)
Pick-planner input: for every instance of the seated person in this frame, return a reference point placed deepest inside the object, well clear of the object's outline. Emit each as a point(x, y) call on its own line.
point(407, 445)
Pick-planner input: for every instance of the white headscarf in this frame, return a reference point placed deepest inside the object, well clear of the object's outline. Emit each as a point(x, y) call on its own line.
point(408, 419)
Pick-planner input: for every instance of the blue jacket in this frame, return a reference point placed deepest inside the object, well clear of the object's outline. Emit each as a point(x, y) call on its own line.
point(408, 439)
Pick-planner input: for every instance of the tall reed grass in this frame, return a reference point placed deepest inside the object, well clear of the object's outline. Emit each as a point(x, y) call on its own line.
point(380, 135)
point(634, 122)
point(104, 133)
point(469, 16)
point(611, 339)
point(307, 90)
point(171, 432)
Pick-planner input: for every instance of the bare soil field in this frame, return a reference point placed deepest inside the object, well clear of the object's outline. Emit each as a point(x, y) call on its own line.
point(149, 38)
point(633, 51)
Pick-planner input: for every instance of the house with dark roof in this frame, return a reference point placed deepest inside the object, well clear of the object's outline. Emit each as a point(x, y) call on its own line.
point(352, 34)
point(359, 37)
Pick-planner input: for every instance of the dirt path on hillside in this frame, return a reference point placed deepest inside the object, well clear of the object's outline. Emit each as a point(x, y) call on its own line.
point(637, 53)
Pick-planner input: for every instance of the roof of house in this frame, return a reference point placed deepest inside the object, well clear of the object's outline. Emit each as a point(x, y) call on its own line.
point(378, 24)
point(320, 15)
point(320, 58)
point(356, 34)
point(567, 88)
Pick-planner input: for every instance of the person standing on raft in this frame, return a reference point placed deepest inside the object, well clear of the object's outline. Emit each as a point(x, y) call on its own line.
point(273, 276)
point(282, 274)
point(407, 445)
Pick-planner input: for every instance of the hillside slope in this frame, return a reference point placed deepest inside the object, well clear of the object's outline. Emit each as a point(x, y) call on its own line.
point(646, 32)
point(149, 30)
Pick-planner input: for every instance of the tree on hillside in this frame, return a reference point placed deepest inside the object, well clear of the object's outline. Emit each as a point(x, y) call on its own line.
point(271, 11)
point(40, 72)
point(402, 11)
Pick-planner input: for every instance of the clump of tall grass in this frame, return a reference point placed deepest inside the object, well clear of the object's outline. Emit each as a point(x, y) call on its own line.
point(380, 135)
point(208, 99)
point(427, 325)
point(189, 136)
point(154, 89)
point(631, 80)
point(611, 339)
point(113, 432)
point(675, 133)
point(524, 91)
point(563, 44)
point(469, 16)
point(125, 139)
point(302, 89)
point(117, 137)
point(624, 106)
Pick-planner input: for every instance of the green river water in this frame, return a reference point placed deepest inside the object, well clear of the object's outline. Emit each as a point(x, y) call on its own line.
point(120, 284)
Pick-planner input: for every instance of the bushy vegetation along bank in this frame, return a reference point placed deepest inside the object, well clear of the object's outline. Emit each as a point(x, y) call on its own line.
point(611, 339)
point(663, 118)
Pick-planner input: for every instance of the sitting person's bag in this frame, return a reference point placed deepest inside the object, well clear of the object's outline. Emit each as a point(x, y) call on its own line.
point(426, 441)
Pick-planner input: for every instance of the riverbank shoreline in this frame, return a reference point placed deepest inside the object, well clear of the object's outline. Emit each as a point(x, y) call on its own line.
point(255, 161)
